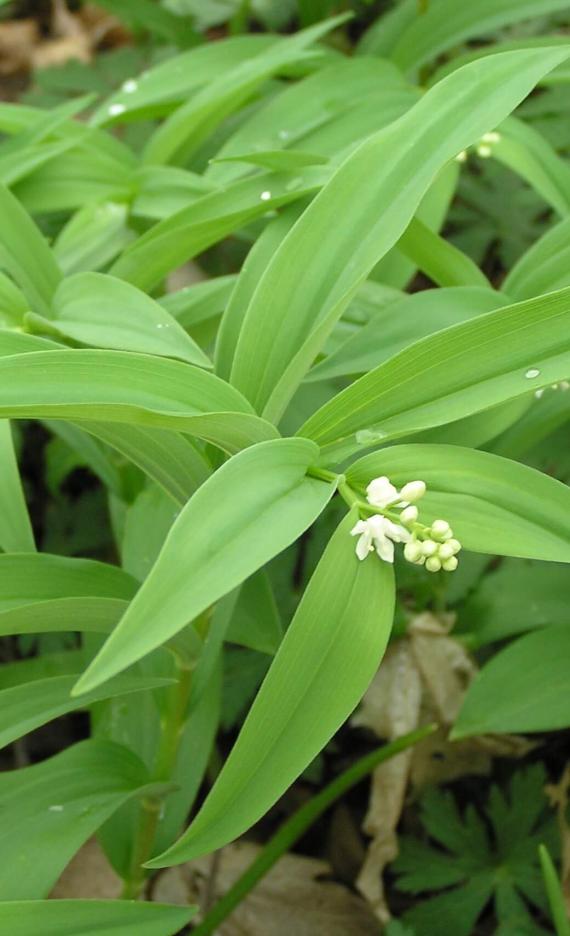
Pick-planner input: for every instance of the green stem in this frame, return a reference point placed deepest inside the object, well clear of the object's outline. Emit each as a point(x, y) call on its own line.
point(172, 726)
point(292, 830)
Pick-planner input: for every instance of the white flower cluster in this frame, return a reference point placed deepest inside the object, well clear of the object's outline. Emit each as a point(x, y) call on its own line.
point(434, 546)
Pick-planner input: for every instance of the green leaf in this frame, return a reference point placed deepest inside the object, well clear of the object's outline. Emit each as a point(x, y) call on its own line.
point(25, 254)
point(169, 458)
point(91, 918)
point(320, 672)
point(256, 622)
point(191, 123)
point(536, 670)
point(16, 534)
point(529, 154)
point(40, 593)
point(30, 705)
point(555, 894)
point(394, 326)
point(208, 220)
point(398, 164)
point(50, 809)
point(446, 23)
point(174, 80)
point(544, 267)
point(445, 264)
point(92, 237)
point(493, 504)
point(124, 387)
point(199, 302)
point(255, 506)
point(460, 371)
point(105, 312)
point(281, 160)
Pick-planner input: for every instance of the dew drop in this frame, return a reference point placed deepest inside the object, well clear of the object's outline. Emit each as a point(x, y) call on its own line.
point(532, 372)
point(129, 86)
point(265, 196)
point(116, 109)
point(55, 808)
point(163, 325)
point(283, 134)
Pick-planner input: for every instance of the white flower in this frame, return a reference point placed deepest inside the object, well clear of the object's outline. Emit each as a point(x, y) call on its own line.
point(378, 533)
point(381, 492)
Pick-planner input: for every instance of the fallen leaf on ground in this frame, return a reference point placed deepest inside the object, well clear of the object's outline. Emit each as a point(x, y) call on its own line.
point(295, 897)
point(88, 875)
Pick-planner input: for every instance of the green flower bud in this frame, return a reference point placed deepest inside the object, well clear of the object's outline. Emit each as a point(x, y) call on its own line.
point(412, 491)
point(429, 548)
point(440, 528)
point(409, 514)
point(433, 564)
point(413, 551)
point(454, 544)
point(450, 564)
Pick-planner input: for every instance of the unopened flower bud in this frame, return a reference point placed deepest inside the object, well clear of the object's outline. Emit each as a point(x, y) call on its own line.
point(441, 528)
point(454, 544)
point(409, 514)
point(450, 564)
point(429, 548)
point(446, 551)
point(433, 564)
point(412, 491)
point(413, 551)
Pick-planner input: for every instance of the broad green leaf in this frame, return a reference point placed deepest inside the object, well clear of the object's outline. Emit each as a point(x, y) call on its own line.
point(531, 156)
point(124, 387)
point(395, 326)
point(219, 539)
point(147, 522)
point(493, 504)
point(40, 593)
point(517, 597)
point(199, 302)
point(13, 303)
point(282, 160)
point(50, 809)
point(462, 370)
point(25, 579)
point(91, 918)
point(173, 81)
point(535, 669)
point(208, 220)
point(92, 237)
point(256, 622)
point(445, 264)
point(30, 705)
point(252, 270)
point(191, 123)
point(90, 453)
point(320, 672)
point(25, 254)
point(446, 23)
point(156, 19)
point(105, 312)
point(294, 117)
point(398, 165)
point(544, 267)
point(167, 457)
point(16, 534)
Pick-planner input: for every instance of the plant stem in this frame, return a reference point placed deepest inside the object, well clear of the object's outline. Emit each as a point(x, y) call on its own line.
point(172, 726)
point(292, 830)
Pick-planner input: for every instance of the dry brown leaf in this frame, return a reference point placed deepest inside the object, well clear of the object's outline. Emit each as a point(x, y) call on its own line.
point(391, 708)
point(422, 679)
point(17, 41)
point(295, 897)
point(88, 875)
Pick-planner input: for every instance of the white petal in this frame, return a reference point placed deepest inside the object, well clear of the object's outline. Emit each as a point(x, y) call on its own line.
point(360, 527)
point(363, 546)
point(381, 492)
point(397, 533)
point(385, 549)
